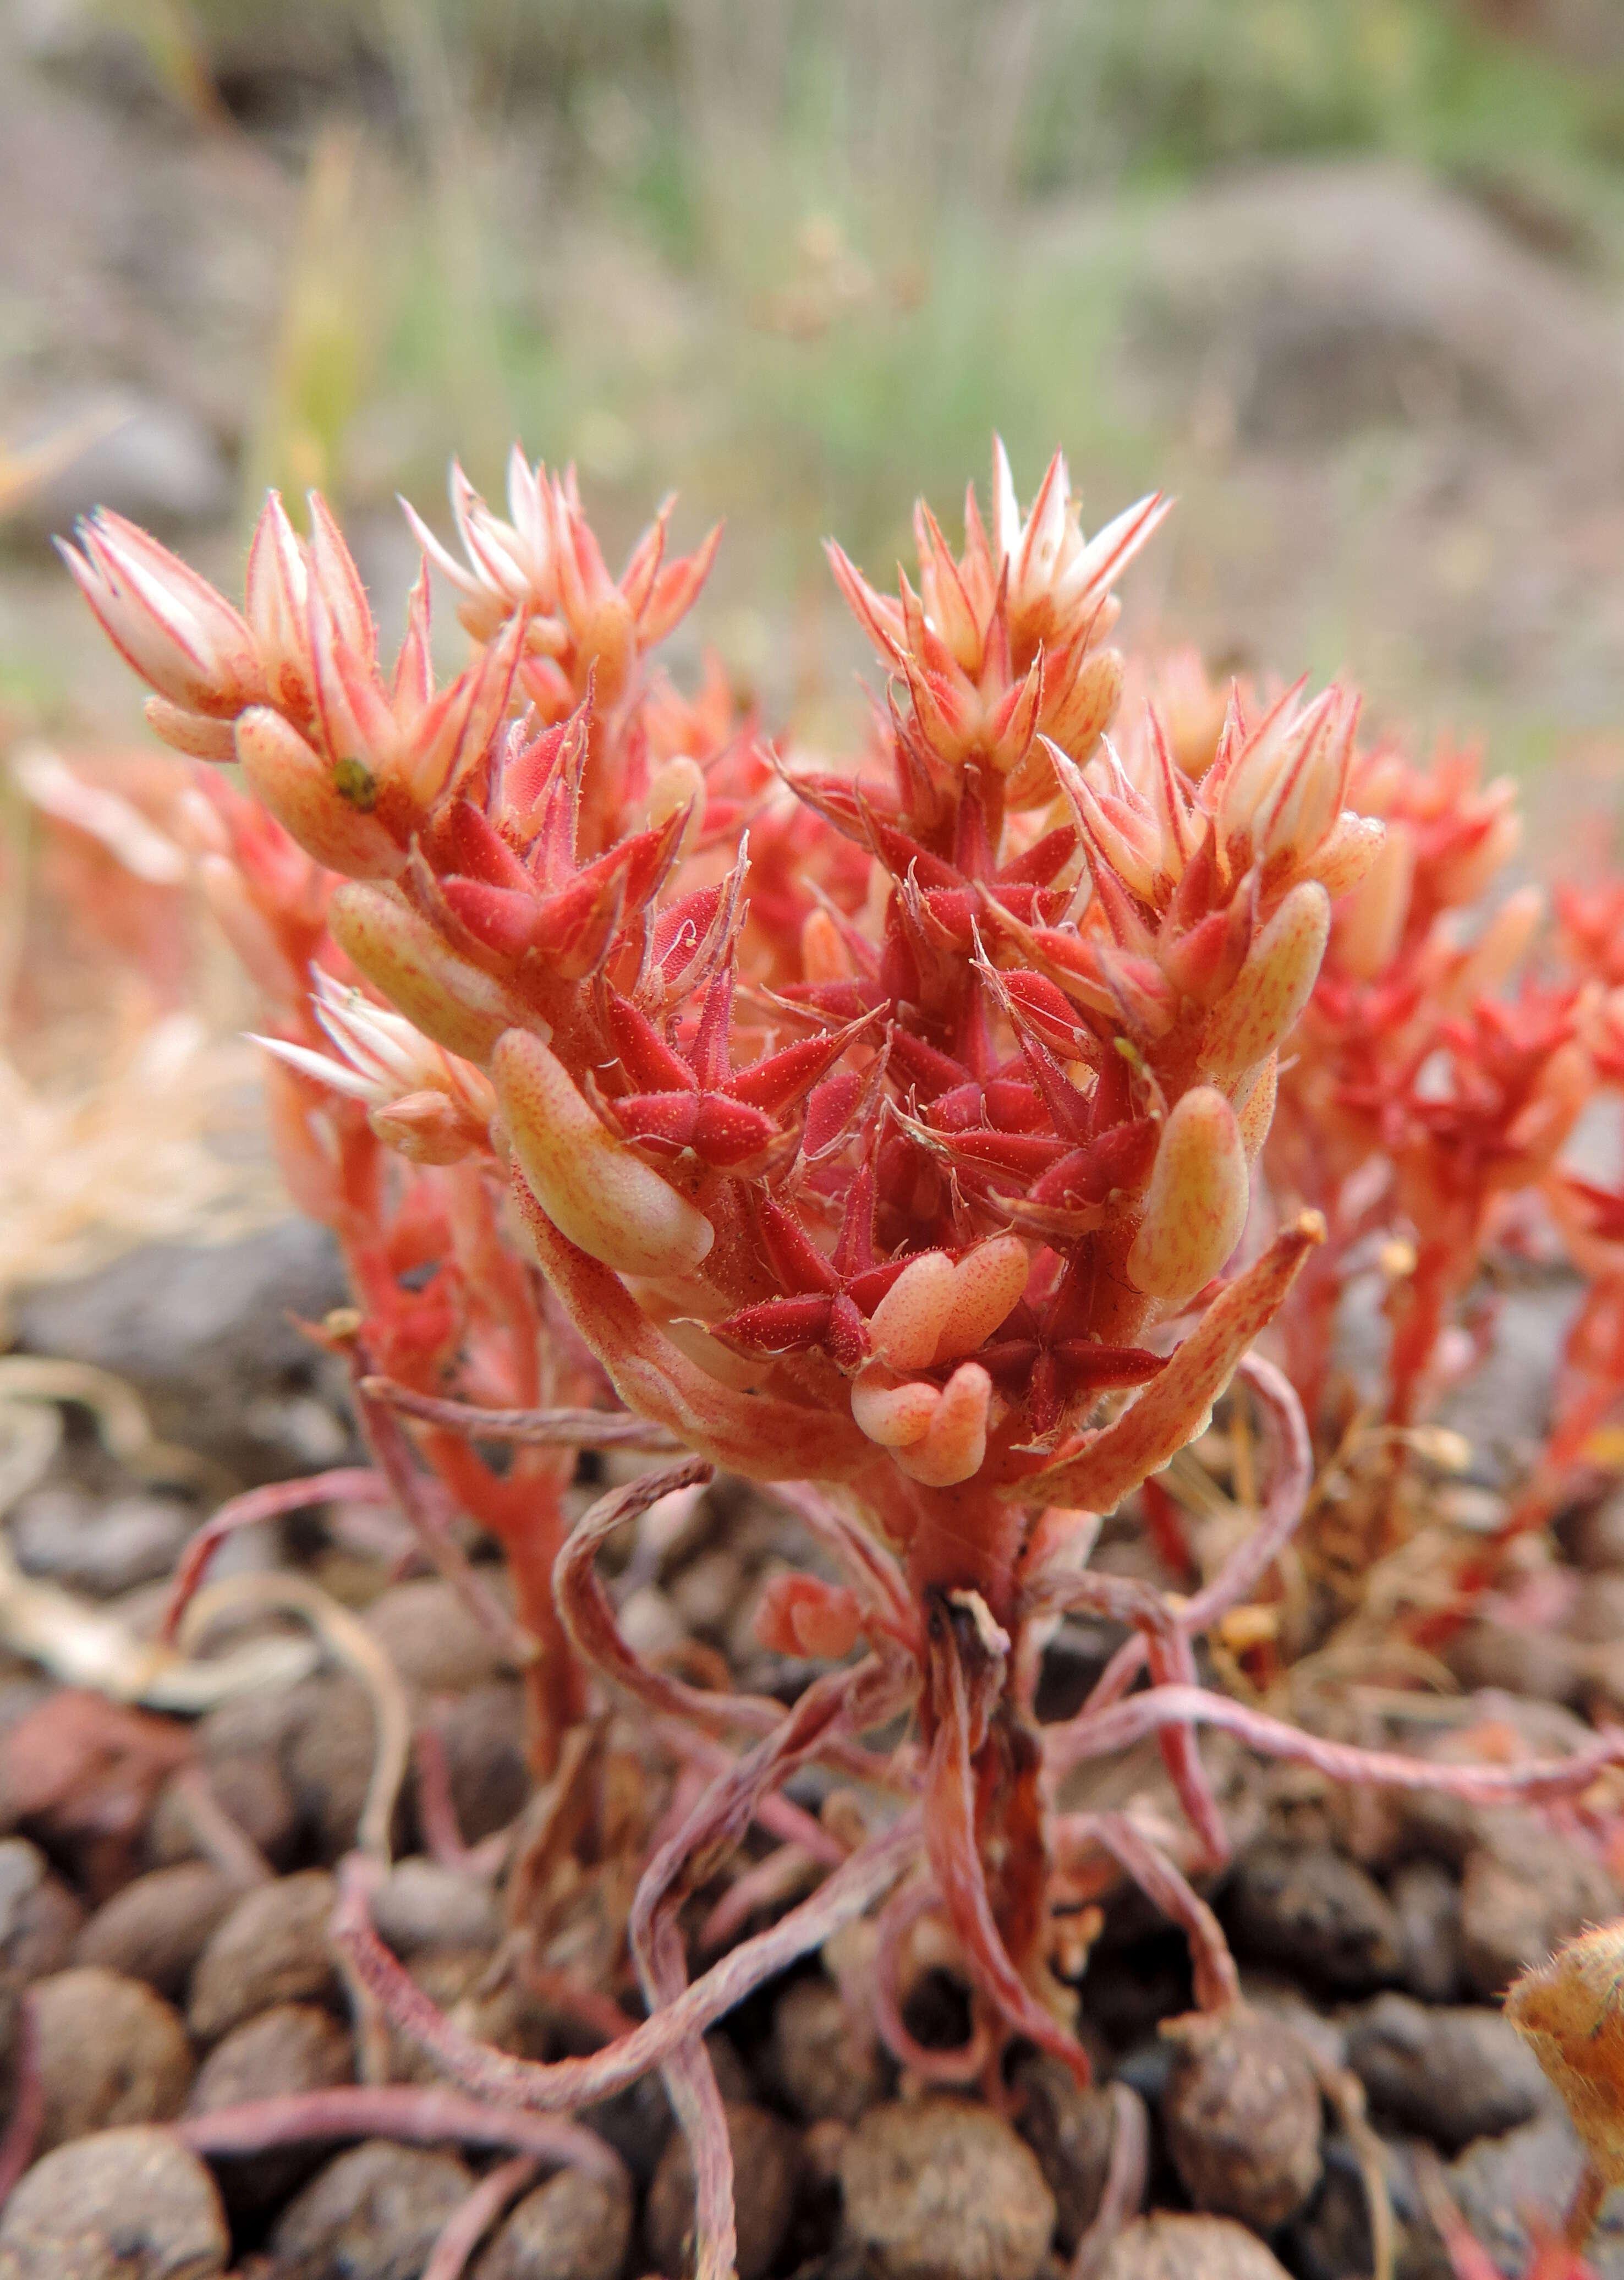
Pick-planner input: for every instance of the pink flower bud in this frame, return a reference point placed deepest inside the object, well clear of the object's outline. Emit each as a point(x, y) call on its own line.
point(909, 1321)
point(1195, 1204)
point(1348, 850)
point(1263, 1005)
point(988, 1284)
point(327, 809)
point(163, 620)
point(1369, 922)
point(954, 1443)
point(458, 1004)
point(891, 1413)
point(594, 1189)
point(799, 1615)
point(193, 733)
point(427, 1128)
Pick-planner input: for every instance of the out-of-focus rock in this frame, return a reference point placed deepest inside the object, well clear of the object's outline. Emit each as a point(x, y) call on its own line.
point(203, 1333)
point(125, 2204)
point(938, 2189)
point(1310, 1910)
point(109, 2051)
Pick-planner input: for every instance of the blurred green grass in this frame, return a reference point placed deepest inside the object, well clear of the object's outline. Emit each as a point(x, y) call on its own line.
point(796, 263)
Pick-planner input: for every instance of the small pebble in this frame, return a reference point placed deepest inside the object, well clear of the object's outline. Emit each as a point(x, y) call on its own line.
point(101, 1547)
point(1242, 2116)
point(109, 2051)
point(431, 1638)
point(422, 1905)
point(329, 1760)
point(249, 1789)
point(271, 1948)
point(1071, 2131)
point(1427, 1901)
point(764, 2162)
point(826, 2067)
point(575, 2227)
point(1168, 2248)
point(1540, 1665)
point(373, 2213)
point(938, 2189)
point(706, 1591)
point(290, 2048)
point(159, 1924)
point(1499, 2183)
point(1594, 1539)
point(1597, 1617)
point(483, 1734)
point(1310, 1910)
point(126, 2205)
point(1452, 2073)
point(40, 1918)
point(1515, 1909)
point(1330, 2239)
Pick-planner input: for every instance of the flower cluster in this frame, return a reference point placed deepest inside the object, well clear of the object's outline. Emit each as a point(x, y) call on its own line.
point(871, 1127)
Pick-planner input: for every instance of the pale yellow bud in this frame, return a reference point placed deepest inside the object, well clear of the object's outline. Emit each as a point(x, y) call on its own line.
point(909, 1321)
point(596, 1192)
point(1195, 1204)
point(1261, 1007)
point(458, 1004)
point(330, 813)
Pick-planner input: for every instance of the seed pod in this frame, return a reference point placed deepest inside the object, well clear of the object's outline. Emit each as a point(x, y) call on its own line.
point(591, 1186)
point(1195, 1206)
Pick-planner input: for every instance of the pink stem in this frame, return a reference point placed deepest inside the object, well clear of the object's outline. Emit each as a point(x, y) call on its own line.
point(421, 2116)
point(952, 1844)
point(1217, 1982)
point(462, 2231)
point(349, 1483)
point(781, 1816)
point(1291, 1478)
point(22, 2130)
point(1102, 1733)
point(1165, 1640)
point(230, 1847)
point(590, 1624)
point(588, 2005)
point(1126, 2173)
point(567, 2082)
point(435, 1805)
point(565, 1429)
point(897, 1918)
point(427, 1508)
point(762, 1885)
point(876, 1577)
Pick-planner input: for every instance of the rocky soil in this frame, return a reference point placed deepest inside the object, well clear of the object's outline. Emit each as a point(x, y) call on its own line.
point(166, 1887)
